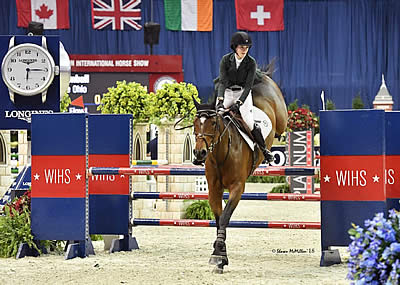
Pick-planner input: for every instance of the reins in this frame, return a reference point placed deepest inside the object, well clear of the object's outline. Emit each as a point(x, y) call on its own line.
point(211, 147)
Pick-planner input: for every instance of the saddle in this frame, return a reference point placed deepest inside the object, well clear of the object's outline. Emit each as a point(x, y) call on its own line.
point(239, 123)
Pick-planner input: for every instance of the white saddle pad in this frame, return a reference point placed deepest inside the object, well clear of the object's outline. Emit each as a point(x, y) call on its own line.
point(261, 119)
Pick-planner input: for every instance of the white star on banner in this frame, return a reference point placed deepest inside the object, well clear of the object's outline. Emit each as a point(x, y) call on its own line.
point(36, 176)
point(327, 178)
point(78, 176)
point(376, 178)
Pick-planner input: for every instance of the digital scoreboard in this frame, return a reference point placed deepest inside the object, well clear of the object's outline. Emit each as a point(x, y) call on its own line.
point(92, 75)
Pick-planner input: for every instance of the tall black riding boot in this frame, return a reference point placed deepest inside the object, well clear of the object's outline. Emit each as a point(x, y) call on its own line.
point(258, 137)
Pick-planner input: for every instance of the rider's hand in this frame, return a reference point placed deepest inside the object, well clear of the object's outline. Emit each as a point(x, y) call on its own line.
point(220, 105)
point(235, 107)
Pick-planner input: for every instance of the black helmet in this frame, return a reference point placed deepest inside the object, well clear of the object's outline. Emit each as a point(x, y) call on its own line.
point(240, 38)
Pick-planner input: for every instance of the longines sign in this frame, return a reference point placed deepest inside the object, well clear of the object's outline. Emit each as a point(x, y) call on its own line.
point(16, 108)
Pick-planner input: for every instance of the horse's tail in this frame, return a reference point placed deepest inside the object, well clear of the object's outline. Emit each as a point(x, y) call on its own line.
point(269, 69)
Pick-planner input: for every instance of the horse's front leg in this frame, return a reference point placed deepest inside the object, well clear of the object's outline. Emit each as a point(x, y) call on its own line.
point(219, 256)
point(215, 195)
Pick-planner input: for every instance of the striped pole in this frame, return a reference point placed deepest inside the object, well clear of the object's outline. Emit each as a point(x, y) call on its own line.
point(198, 171)
point(150, 162)
point(245, 196)
point(232, 224)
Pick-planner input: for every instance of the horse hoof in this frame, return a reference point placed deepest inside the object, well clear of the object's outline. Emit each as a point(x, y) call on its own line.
point(218, 270)
point(218, 260)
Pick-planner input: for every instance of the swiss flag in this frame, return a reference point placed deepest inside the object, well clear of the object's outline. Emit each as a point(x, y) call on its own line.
point(54, 14)
point(259, 15)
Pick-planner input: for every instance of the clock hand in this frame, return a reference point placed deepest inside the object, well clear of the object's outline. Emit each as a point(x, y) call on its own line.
point(37, 69)
point(27, 74)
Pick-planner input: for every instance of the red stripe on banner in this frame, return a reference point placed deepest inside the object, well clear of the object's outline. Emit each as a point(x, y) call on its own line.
point(353, 178)
point(58, 176)
point(109, 184)
point(391, 173)
point(126, 63)
point(62, 14)
point(24, 13)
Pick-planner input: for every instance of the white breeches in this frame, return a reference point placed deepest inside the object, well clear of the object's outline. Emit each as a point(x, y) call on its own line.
point(246, 110)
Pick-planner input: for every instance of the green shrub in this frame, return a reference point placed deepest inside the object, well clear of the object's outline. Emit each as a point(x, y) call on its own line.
point(357, 102)
point(64, 103)
point(283, 188)
point(199, 210)
point(96, 237)
point(266, 179)
point(330, 105)
point(293, 106)
point(171, 101)
point(15, 228)
point(126, 98)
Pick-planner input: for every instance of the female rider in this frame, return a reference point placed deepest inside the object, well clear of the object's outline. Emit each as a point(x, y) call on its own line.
point(237, 71)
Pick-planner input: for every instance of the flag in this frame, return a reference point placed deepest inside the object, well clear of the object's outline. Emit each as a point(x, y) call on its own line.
point(259, 15)
point(54, 14)
point(188, 15)
point(116, 13)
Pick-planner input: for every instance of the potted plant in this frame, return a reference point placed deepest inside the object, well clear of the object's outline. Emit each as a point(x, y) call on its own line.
point(126, 98)
point(173, 100)
point(302, 119)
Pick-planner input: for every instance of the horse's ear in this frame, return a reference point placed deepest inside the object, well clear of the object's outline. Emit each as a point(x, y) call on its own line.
point(196, 104)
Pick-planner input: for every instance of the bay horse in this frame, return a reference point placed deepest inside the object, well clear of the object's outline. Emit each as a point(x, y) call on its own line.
point(229, 161)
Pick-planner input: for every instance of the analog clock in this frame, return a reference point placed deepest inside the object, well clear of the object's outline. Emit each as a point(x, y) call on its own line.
point(28, 69)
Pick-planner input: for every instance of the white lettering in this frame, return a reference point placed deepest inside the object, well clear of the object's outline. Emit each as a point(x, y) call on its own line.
point(103, 177)
point(302, 180)
point(95, 63)
point(79, 89)
point(80, 79)
point(141, 63)
point(25, 114)
point(351, 178)
point(57, 176)
point(49, 175)
point(123, 63)
point(389, 176)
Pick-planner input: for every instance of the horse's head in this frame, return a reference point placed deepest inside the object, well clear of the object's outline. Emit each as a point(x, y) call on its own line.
point(205, 129)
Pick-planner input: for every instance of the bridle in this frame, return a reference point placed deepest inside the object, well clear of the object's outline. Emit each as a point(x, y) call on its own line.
point(210, 114)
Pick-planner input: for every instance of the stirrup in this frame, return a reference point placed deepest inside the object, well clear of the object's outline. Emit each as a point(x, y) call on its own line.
point(268, 156)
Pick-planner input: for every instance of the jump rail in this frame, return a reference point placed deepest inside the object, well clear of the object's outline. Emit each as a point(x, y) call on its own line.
point(232, 224)
point(245, 196)
point(198, 171)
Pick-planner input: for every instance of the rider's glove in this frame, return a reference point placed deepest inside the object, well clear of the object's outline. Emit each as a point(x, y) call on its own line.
point(220, 104)
point(235, 107)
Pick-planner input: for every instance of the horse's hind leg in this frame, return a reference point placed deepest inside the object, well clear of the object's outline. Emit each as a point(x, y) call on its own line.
point(219, 256)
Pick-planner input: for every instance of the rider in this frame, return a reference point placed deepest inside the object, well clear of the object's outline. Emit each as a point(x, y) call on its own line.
point(237, 71)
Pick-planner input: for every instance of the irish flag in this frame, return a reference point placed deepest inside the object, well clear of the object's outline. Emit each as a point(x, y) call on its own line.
point(188, 15)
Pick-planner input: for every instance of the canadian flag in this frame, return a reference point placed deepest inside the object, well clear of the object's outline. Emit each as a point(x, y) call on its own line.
point(54, 14)
point(259, 15)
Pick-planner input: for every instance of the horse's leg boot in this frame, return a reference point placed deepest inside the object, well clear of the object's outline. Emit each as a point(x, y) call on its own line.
point(258, 137)
point(219, 256)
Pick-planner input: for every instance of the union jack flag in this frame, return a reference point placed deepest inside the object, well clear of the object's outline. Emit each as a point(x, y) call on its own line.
point(117, 13)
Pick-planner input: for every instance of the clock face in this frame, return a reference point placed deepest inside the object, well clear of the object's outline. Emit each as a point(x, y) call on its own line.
point(27, 69)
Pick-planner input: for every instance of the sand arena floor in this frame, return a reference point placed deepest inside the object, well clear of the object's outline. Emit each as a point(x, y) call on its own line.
point(177, 255)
